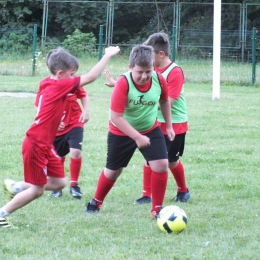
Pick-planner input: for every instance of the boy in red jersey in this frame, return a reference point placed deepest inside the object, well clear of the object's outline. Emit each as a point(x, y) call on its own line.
point(133, 124)
point(175, 82)
point(69, 137)
point(42, 167)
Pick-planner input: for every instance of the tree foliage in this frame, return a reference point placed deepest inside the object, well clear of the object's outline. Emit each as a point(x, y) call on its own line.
point(132, 22)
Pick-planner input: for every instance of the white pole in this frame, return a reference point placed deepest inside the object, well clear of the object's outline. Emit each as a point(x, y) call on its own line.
point(216, 49)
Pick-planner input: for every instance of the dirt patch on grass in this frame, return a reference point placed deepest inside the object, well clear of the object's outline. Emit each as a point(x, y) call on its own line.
point(16, 94)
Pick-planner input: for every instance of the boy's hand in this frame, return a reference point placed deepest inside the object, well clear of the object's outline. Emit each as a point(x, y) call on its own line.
point(110, 81)
point(112, 50)
point(142, 141)
point(170, 133)
point(84, 117)
point(61, 126)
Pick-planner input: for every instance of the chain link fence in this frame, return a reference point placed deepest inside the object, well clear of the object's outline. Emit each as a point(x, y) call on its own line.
point(129, 23)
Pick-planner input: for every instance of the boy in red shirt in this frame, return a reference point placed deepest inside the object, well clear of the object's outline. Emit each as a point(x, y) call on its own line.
point(42, 167)
point(175, 82)
point(133, 124)
point(69, 137)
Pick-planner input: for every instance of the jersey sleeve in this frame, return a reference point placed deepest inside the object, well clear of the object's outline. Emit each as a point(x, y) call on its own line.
point(164, 94)
point(81, 93)
point(119, 95)
point(175, 82)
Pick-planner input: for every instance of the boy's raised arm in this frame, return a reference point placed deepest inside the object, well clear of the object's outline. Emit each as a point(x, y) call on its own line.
point(99, 67)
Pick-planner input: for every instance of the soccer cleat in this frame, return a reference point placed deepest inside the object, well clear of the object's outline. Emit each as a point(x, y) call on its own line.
point(56, 194)
point(75, 192)
point(142, 200)
point(8, 189)
point(92, 207)
point(182, 196)
point(5, 223)
point(155, 213)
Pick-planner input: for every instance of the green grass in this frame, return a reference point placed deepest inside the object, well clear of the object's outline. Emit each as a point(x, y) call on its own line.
point(221, 160)
point(200, 71)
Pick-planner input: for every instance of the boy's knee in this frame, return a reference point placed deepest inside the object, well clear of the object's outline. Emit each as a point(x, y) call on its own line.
point(62, 183)
point(37, 191)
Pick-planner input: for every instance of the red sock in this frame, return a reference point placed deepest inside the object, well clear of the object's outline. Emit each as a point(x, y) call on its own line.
point(158, 184)
point(147, 176)
point(179, 176)
point(104, 185)
point(75, 166)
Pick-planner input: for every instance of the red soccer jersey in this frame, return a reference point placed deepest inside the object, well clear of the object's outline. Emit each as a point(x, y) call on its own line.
point(175, 83)
point(51, 105)
point(120, 95)
point(72, 111)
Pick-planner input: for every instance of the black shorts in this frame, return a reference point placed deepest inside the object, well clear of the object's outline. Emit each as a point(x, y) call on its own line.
point(176, 147)
point(72, 139)
point(122, 148)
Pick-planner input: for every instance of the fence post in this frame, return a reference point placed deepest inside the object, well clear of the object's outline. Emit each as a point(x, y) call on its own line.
point(44, 23)
point(243, 33)
point(173, 43)
point(253, 55)
point(34, 48)
point(100, 46)
point(110, 21)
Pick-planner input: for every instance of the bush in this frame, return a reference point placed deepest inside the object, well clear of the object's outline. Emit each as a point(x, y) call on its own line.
point(80, 43)
point(16, 42)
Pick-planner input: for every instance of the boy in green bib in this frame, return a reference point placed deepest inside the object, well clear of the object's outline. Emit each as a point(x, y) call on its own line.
point(133, 125)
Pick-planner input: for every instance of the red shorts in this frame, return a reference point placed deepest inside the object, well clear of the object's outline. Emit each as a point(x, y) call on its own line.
point(39, 162)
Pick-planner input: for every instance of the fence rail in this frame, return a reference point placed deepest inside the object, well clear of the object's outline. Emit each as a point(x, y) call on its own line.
point(194, 22)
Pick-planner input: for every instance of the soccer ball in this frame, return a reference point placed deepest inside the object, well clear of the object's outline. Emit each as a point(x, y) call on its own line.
point(172, 219)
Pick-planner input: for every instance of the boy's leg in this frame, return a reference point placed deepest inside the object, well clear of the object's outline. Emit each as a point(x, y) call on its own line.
point(105, 183)
point(120, 151)
point(175, 150)
point(75, 167)
point(62, 148)
point(158, 184)
point(11, 188)
point(75, 140)
point(157, 157)
point(56, 179)
point(55, 183)
point(147, 177)
point(58, 193)
point(21, 199)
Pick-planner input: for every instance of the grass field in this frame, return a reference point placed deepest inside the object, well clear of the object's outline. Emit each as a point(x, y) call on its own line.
point(200, 71)
point(222, 168)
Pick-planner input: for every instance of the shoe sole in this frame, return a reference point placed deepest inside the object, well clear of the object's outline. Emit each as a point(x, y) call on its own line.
point(5, 223)
point(143, 200)
point(183, 201)
point(91, 212)
point(140, 203)
point(76, 197)
point(9, 195)
point(54, 196)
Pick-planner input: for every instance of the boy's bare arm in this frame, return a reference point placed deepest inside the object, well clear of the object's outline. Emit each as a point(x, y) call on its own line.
point(110, 82)
point(84, 117)
point(141, 140)
point(166, 112)
point(99, 67)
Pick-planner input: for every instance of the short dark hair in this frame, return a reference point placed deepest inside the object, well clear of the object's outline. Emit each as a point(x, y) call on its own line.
point(160, 42)
point(59, 59)
point(141, 55)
